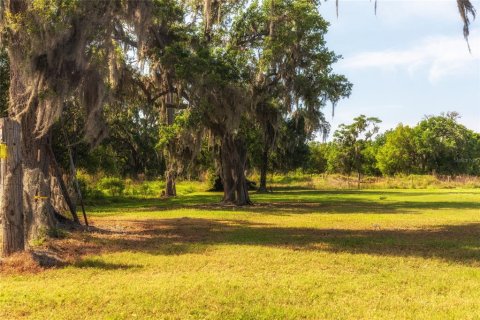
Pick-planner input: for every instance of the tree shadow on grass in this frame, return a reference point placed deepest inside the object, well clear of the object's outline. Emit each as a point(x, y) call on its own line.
point(297, 202)
point(452, 243)
point(323, 206)
point(393, 192)
point(108, 206)
point(343, 206)
point(89, 263)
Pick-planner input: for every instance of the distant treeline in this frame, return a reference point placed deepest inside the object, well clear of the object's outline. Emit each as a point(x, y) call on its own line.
point(436, 145)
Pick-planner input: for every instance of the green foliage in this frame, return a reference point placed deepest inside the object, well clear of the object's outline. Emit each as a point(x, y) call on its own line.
point(446, 147)
point(352, 151)
point(398, 154)
point(318, 157)
point(291, 150)
point(129, 150)
point(112, 186)
point(97, 188)
point(436, 145)
point(289, 72)
point(262, 72)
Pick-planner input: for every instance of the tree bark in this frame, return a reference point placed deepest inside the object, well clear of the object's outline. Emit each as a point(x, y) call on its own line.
point(171, 188)
point(170, 173)
point(39, 213)
point(263, 170)
point(11, 188)
point(234, 155)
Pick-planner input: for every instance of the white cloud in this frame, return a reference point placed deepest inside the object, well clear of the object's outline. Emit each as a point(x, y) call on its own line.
point(435, 57)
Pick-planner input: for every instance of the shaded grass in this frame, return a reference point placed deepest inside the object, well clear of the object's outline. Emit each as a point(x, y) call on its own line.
point(451, 243)
point(375, 254)
point(305, 201)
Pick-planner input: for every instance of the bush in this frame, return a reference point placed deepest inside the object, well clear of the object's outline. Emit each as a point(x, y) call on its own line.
point(88, 186)
point(112, 186)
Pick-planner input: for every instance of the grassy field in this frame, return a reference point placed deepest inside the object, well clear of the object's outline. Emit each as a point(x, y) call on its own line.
point(296, 254)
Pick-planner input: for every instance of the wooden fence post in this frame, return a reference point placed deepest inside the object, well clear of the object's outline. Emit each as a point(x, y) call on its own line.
point(11, 187)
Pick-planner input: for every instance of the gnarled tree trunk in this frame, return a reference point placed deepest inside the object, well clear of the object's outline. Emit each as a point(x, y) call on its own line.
point(234, 156)
point(38, 211)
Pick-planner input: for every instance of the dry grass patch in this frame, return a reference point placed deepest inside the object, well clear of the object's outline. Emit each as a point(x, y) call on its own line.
point(20, 263)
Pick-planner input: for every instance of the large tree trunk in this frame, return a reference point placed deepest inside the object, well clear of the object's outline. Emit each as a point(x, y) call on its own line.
point(234, 155)
point(11, 188)
point(38, 211)
point(263, 170)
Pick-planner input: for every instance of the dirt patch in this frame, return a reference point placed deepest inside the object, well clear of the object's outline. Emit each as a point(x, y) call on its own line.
point(105, 236)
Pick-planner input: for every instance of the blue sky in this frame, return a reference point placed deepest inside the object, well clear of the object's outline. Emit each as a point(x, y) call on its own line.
point(408, 61)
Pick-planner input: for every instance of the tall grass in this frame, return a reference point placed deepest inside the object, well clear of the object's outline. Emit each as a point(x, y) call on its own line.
point(98, 187)
point(102, 187)
point(298, 179)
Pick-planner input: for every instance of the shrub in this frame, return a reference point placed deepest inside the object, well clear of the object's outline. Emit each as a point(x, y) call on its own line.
point(112, 186)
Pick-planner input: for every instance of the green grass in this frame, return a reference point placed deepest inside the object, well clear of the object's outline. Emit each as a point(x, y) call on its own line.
point(372, 254)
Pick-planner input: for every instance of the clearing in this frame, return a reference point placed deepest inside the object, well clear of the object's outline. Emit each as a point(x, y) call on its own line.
point(370, 254)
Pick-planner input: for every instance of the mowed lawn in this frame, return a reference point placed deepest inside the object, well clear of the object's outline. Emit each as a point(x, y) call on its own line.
point(296, 254)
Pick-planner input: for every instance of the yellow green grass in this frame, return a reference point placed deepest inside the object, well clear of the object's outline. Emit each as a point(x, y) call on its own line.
point(296, 254)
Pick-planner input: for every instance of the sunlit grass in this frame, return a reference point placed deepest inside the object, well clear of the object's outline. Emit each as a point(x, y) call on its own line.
point(374, 254)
